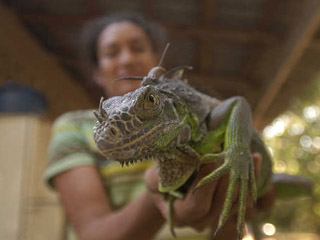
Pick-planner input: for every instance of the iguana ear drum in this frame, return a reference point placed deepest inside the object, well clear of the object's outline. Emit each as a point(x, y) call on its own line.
point(184, 136)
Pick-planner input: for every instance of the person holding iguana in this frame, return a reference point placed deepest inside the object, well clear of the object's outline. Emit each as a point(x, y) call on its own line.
point(103, 200)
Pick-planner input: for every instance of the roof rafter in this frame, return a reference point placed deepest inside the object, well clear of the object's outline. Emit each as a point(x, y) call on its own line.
point(207, 16)
point(228, 34)
point(206, 19)
point(298, 40)
point(222, 83)
point(93, 5)
point(148, 9)
point(236, 35)
point(315, 45)
point(254, 50)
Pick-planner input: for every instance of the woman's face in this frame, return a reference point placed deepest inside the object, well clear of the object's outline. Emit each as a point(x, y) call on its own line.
point(123, 50)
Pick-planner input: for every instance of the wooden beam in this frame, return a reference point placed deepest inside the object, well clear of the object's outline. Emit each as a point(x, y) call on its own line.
point(205, 44)
point(223, 34)
point(298, 40)
point(315, 45)
point(148, 9)
point(267, 18)
point(93, 6)
point(222, 83)
point(35, 3)
point(210, 33)
point(298, 86)
point(256, 50)
point(207, 10)
point(57, 20)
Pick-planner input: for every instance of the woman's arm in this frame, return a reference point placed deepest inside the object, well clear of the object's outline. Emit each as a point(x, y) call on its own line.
point(88, 209)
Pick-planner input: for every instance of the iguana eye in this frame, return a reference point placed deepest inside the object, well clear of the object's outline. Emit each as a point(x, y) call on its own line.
point(151, 100)
point(149, 103)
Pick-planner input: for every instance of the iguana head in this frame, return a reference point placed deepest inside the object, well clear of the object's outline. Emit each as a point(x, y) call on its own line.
point(136, 125)
point(150, 123)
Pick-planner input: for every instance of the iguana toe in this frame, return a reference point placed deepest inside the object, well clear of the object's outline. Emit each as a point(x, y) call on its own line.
point(233, 179)
point(243, 193)
point(252, 184)
point(215, 175)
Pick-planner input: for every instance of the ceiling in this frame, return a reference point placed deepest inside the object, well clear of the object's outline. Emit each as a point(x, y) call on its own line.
point(265, 50)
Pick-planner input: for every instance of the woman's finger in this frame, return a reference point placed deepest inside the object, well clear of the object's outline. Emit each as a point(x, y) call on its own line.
point(196, 205)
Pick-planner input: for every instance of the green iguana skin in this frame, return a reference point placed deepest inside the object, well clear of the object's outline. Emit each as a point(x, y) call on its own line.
point(180, 128)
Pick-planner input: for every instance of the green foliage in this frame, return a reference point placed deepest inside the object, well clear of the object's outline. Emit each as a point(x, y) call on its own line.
point(294, 140)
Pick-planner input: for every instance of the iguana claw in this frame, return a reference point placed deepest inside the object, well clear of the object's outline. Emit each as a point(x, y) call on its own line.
point(216, 232)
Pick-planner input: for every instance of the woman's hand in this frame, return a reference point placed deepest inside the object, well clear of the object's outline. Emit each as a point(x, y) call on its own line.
point(202, 209)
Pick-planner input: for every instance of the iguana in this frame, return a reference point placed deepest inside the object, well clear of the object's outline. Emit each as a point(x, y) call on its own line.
point(168, 121)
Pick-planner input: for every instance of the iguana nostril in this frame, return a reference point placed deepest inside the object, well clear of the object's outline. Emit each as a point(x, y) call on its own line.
point(113, 131)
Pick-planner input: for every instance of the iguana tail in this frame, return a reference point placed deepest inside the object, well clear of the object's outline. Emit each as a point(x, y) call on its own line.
point(290, 186)
point(265, 175)
point(286, 186)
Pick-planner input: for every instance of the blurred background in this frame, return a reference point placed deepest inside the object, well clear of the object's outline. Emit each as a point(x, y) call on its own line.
point(265, 50)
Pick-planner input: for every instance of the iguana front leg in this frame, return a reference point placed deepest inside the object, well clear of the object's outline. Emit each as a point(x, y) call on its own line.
point(172, 196)
point(233, 116)
point(176, 173)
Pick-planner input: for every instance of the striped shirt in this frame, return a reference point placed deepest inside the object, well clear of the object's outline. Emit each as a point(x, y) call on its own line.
point(72, 145)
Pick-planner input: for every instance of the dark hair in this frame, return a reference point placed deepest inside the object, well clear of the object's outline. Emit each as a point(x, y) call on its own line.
point(92, 31)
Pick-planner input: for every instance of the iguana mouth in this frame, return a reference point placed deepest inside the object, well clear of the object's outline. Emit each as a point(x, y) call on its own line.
point(136, 139)
point(138, 146)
